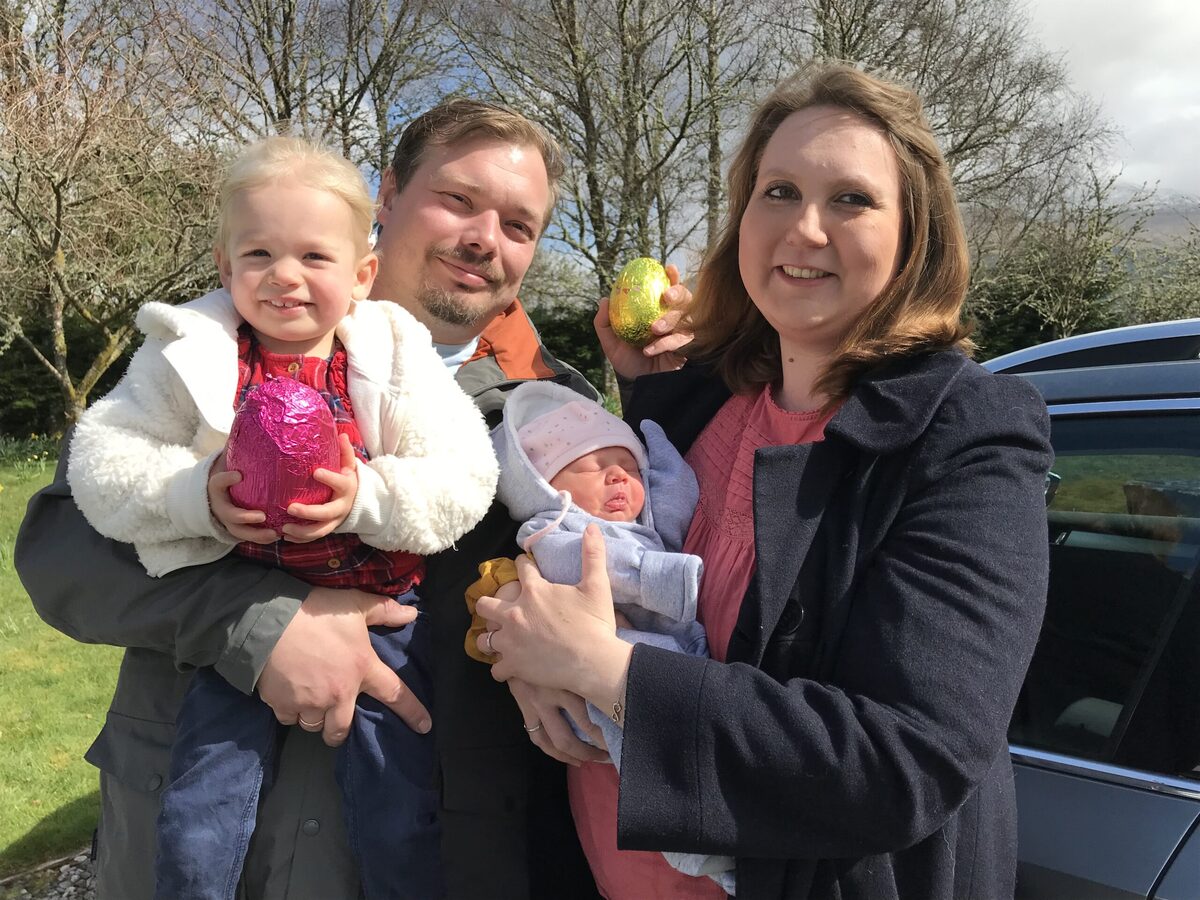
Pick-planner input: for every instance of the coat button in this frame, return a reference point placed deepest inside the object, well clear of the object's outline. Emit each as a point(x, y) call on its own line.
point(791, 619)
point(311, 827)
point(293, 368)
point(154, 782)
point(334, 563)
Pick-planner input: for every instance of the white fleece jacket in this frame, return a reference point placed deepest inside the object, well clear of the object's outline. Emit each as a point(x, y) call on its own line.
point(140, 457)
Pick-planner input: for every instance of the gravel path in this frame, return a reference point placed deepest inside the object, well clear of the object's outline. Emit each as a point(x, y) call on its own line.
point(63, 879)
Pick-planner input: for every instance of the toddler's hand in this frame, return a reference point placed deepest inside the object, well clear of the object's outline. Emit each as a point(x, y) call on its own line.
point(240, 523)
point(323, 518)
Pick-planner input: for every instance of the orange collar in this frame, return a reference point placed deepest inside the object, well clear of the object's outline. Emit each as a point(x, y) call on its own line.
point(512, 341)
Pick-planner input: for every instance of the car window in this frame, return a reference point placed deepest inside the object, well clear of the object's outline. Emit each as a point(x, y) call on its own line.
point(1116, 673)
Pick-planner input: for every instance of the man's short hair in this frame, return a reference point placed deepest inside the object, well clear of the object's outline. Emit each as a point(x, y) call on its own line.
point(460, 119)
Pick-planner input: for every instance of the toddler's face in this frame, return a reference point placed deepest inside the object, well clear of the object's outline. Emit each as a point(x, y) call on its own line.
point(293, 266)
point(605, 483)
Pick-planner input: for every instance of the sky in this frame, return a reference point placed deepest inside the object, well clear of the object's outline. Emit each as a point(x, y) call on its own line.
point(1140, 59)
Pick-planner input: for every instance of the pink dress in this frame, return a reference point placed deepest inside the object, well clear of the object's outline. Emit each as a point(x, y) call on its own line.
point(722, 534)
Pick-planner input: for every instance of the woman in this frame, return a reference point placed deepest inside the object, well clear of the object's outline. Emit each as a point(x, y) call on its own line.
point(873, 531)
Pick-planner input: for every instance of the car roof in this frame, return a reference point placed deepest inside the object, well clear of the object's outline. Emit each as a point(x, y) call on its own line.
point(1155, 342)
point(1159, 361)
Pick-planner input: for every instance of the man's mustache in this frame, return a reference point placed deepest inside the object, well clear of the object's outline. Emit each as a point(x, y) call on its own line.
point(477, 261)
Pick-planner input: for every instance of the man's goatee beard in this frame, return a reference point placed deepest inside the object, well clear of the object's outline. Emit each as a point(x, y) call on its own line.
point(453, 309)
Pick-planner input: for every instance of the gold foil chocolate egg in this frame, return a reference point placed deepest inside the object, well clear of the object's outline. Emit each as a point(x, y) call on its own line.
point(635, 301)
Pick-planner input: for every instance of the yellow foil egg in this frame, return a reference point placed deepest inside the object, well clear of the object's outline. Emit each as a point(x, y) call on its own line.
point(635, 301)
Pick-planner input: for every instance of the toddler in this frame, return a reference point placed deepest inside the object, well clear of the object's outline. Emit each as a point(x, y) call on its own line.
point(417, 472)
point(565, 463)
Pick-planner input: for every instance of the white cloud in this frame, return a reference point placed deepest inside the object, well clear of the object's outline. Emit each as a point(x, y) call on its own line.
point(1141, 60)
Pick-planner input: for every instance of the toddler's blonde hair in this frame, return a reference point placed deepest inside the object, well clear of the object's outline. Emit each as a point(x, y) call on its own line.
point(296, 159)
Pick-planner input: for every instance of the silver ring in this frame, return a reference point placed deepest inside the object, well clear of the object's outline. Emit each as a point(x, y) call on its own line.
point(488, 640)
point(312, 726)
point(528, 730)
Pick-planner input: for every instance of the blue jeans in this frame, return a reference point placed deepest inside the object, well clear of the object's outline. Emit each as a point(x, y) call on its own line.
point(224, 756)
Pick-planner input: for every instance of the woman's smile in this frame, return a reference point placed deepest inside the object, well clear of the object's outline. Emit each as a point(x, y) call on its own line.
point(802, 273)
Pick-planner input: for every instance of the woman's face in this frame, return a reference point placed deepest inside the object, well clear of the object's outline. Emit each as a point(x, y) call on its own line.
point(821, 236)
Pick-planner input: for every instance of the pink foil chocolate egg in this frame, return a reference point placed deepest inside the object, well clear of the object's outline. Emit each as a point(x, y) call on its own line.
point(282, 432)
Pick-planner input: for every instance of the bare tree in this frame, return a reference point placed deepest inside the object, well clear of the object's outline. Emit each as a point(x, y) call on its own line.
point(102, 209)
point(736, 67)
point(106, 203)
point(348, 71)
point(114, 121)
point(1167, 280)
point(1074, 269)
point(616, 82)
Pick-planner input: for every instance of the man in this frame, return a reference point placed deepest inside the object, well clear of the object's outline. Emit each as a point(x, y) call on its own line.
point(461, 211)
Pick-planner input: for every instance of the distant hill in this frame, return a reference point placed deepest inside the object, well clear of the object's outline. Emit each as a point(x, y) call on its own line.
point(1172, 219)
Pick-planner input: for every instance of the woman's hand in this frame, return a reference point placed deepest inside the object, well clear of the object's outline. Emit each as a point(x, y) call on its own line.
point(542, 711)
point(560, 636)
point(671, 334)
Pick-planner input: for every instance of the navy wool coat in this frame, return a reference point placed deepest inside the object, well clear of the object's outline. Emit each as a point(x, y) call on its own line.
point(853, 746)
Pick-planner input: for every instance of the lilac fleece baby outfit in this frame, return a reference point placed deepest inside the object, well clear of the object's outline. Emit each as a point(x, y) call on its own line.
point(654, 584)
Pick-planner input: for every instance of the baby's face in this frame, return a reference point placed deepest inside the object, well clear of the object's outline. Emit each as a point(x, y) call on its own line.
point(605, 483)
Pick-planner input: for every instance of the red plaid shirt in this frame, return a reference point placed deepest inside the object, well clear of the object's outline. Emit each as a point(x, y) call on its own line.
point(338, 560)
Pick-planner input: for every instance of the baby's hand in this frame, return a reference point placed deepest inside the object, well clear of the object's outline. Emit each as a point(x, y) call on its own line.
point(510, 590)
point(323, 518)
point(237, 521)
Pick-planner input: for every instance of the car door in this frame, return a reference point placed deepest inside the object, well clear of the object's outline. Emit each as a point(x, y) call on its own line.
point(1106, 734)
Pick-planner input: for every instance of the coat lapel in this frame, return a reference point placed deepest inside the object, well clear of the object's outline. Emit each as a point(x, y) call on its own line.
point(792, 487)
point(888, 409)
point(201, 345)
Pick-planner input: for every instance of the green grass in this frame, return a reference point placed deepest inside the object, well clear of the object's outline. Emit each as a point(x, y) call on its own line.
point(53, 695)
point(1097, 483)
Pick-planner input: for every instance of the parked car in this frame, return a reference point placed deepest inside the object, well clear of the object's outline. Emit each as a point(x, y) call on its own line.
point(1106, 735)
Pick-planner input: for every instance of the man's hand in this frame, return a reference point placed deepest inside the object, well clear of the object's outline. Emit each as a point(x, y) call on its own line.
point(324, 660)
point(670, 329)
point(240, 523)
point(323, 518)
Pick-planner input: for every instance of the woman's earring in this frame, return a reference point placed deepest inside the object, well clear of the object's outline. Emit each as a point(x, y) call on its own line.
point(373, 237)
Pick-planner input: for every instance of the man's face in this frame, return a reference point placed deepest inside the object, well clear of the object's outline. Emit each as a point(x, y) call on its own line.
point(457, 240)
